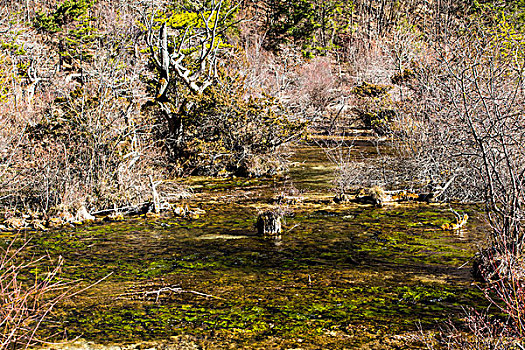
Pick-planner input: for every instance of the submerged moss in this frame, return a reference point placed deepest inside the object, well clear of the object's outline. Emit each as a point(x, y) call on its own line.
point(378, 271)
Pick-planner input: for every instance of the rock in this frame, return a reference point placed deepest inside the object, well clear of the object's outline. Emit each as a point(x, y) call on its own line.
point(285, 199)
point(460, 222)
point(61, 218)
point(269, 224)
point(165, 206)
point(180, 210)
point(186, 212)
point(116, 216)
point(404, 196)
point(199, 211)
point(375, 196)
point(193, 215)
point(66, 217)
point(39, 225)
point(144, 209)
point(426, 197)
point(54, 222)
point(15, 223)
point(83, 215)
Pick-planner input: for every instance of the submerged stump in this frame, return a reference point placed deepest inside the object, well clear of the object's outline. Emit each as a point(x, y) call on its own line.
point(269, 224)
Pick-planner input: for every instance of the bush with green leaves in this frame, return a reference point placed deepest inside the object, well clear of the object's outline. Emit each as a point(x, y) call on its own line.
point(230, 132)
point(67, 11)
point(72, 28)
point(313, 25)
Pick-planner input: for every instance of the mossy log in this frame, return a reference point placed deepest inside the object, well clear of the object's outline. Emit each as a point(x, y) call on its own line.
point(379, 197)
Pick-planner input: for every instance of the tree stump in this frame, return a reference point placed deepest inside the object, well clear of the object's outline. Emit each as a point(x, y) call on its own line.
point(269, 224)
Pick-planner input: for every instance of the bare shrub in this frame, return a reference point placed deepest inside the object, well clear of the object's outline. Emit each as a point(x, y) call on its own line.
point(502, 269)
point(307, 87)
point(314, 92)
point(71, 131)
point(474, 99)
point(347, 172)
point(478, 332)
point(89, 151)
point(25, 303)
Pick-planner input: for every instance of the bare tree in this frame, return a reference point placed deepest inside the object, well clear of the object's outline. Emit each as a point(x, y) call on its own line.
point(469, 126)
point(185, 51)
point(475, 99)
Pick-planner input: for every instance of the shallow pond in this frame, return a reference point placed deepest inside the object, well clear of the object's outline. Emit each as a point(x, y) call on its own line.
point(342, 276)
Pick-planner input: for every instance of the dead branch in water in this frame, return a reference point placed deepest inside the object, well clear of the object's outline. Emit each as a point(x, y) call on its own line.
point(168, 289)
